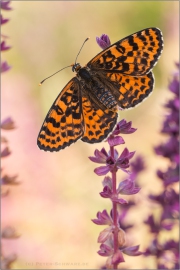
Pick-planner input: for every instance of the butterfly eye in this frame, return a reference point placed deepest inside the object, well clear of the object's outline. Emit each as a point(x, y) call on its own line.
point(73, 68)
point(76, 67)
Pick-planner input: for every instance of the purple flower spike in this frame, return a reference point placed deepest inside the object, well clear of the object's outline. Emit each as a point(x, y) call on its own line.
point(113, 238)
point(7, 258)
point(103, 41)
point(168, 198)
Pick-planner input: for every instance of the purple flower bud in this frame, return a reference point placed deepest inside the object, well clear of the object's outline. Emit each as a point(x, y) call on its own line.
point(105, 250)
point(113, 141)
point(132, 251)
point(127, 187)
point(103, 218)
point(5, 5)
point(7, 124)
point(169, 200)
point(3, 20)
point(167, 226)
point(106, 193)
point(7, 261)
point(103, 41)
point(168, 149)
point(102, 170)
point(123, 161)
point(124, 127)
point(107, 182)
point(126, 154)
point(100, 156)
point(116, 154)
point(4, 66)
point(5, 152)
point(9, 233)
point(138, 165)
point(170, 176)
point(154, 228)
point(117, 257)
point(174, 86)
point(105, 235)
point(153, 248)
point(171, 124)
point(4, 47)
point(110, 160)
point(171, 244)
point(120, 200)
point(9, 180)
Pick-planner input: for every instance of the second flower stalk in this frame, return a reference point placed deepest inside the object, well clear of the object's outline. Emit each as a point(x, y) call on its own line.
point(112, 239)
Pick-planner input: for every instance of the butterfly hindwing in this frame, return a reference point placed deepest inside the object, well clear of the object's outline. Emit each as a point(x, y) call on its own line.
point(133, 55)
point(98, 123)
point(130, 90)
point(63, 124)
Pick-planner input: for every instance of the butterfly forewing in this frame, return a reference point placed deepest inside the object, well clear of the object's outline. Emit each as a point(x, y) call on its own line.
point(63, 124)
point(133, 55)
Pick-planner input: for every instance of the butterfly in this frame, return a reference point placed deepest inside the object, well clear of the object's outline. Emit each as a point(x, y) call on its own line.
point(87, 107)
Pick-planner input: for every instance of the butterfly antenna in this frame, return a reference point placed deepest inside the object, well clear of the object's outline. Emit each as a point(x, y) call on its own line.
point(64, 67)
point(81, 48)
point(53, 74)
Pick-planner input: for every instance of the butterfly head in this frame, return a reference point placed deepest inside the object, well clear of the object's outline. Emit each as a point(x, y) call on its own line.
point(76, 67)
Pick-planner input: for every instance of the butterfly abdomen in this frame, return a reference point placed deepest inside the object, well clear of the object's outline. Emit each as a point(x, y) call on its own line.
point(98, 89)
point(104, 96)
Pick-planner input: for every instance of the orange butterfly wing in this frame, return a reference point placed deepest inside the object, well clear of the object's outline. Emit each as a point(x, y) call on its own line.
point(63, 124)
point(130, 90)
point(98, 123)
point(133, 55)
